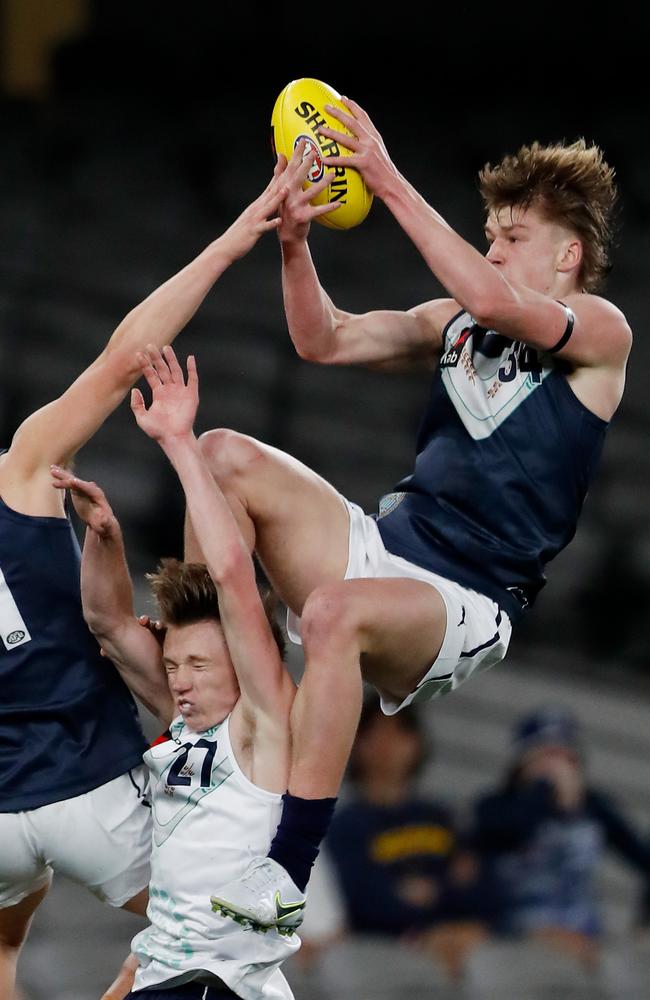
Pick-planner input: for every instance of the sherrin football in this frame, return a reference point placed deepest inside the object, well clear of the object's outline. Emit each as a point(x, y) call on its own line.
point(299, 111)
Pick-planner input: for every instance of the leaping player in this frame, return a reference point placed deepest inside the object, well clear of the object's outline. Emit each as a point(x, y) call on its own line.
point(528, 369)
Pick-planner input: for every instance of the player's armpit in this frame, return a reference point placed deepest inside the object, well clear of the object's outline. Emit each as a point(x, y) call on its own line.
point(425, 343)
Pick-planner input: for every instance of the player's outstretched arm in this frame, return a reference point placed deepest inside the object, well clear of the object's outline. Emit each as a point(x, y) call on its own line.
point(266, 688)
point(320, 331)
point(107, 597)
point(54, 433)
point(601, 337)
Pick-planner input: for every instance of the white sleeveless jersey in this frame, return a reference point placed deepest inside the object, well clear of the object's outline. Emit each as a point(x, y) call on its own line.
point(209, 821)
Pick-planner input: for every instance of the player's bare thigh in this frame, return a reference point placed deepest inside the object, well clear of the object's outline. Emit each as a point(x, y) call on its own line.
point(398, 625)
point(138, 903)
point(301, 523)
point(15, 920)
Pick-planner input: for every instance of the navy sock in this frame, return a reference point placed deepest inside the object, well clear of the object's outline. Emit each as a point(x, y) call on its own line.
point(297, 840)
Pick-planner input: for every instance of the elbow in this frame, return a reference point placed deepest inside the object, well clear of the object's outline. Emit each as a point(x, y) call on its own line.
point(305, 351)
point(491, 304)
point(320, 343)
point(313, 357)
point(233, 563)
point(485, 310)
point(308, 350)
point(101, 624)
point(97, 625)
point(123, 364)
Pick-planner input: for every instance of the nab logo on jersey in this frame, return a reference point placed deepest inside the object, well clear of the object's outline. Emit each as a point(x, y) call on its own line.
point(15, 637)
point(451, 357)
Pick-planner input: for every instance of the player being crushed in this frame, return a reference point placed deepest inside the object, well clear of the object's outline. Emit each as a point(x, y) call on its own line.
point(70, 738)
point(217, 777)
point(528, 369)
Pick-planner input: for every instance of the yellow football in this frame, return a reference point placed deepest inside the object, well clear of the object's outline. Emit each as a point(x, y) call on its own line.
point(299, 111)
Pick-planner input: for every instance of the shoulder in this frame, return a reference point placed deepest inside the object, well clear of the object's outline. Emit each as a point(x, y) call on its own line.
point(606, 323)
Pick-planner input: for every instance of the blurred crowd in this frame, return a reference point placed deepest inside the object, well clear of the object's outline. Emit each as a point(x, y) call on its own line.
point(406, 892)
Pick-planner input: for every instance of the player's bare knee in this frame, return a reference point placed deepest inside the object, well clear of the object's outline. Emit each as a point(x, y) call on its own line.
point(330, 618)
point(219, 448)
point(228, 453)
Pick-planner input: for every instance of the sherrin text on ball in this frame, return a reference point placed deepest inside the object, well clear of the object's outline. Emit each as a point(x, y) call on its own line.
point(298, 114)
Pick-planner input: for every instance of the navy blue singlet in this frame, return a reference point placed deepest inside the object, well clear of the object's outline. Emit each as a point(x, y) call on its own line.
point(67, 721)
point(505, 454)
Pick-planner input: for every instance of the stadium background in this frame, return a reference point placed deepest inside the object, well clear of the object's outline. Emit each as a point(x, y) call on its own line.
point(132, 134)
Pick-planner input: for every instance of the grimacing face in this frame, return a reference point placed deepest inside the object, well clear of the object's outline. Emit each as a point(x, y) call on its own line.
point(531, 250)
point(200, 674)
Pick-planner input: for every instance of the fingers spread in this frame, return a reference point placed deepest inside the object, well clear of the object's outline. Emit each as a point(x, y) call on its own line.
point(357, 110)
point(192, 373)
point(348, 120)
point(348, 141)
point(159, 364)
point(321, 185)
point(137, 401)
point(325, 209)
point(342, 161)
point(175, 370)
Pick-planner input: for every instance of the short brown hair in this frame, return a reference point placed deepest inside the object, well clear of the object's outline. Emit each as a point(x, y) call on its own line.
point(572, 185)
point(185, 593)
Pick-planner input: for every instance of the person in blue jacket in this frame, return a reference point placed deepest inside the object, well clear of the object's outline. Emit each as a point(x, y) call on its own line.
point(542, 835)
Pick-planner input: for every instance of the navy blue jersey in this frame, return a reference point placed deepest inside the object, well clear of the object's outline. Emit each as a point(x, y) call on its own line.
point(67, 721)
point(378, 849)
point(505, 454)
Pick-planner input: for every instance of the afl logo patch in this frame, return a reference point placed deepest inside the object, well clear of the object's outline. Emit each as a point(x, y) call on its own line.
point(15, 637)
point(389, 503)
point(312, 151)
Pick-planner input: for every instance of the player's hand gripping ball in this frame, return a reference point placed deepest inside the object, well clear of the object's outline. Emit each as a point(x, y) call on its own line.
point(298, 113)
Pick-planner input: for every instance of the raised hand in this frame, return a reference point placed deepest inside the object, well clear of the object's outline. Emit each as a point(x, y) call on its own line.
point(174, 402)
point(89, 501)
point(368, 153)
point(296, 212)
point(260, 217)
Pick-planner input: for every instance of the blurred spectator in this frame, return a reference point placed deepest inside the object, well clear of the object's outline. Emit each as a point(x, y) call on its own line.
point(392, 849)
point(542, 835)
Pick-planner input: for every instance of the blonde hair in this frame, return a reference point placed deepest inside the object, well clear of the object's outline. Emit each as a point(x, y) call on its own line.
point(185, 593)
point(571, 185)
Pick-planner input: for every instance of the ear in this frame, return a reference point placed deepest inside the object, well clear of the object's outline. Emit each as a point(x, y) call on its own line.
point(570, 256)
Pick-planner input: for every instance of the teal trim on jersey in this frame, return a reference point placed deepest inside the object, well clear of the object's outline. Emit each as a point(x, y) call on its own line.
point(492, 416)
point(455, 393)
point(181, 930)
point(187, 808)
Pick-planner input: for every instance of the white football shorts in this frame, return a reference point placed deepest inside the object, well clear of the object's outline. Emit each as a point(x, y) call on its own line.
point(477, 633)
point(101, 839)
